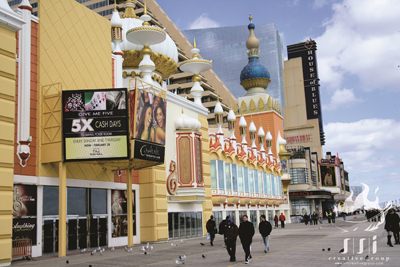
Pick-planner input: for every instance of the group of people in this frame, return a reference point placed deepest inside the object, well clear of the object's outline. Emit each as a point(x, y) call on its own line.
point(373, 215)
point(245, 231)
point(312, 218)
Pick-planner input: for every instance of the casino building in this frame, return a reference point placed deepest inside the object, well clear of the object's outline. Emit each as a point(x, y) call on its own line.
point(87, 118)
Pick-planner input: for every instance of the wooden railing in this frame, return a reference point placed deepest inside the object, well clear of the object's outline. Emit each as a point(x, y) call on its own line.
point(22, 248)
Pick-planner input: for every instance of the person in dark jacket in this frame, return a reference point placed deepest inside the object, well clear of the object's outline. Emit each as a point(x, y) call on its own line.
point(265, 229)
point(211, 229)
point(315, 217)
point(246, 233)
point(231, 233)
point(306, 217)
point(276, 221)
point(392, 227)
point(222, 226)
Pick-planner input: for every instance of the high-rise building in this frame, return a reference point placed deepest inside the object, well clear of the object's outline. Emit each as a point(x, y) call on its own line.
point(356, 190)
point(217, 43)
point(180, 82)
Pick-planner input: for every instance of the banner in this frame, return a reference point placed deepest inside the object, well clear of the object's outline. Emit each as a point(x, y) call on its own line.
point(148, 151)
point(328, 175)
point(24, 228)
point(119, 213)
point(120, 225)
point(24, 203)
point(95, 124)
point(148, 115)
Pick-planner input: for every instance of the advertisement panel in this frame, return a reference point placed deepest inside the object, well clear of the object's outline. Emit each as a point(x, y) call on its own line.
point(328, 175)
point(148, 115)
point(24, 228)
point(95, 124)
point(119, 213)
point(24, 203)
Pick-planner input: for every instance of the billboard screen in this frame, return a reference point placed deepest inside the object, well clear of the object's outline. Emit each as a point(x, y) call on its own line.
point(119, 220)
point(24, 203)
point(148, 115)
point(95, 124)
point(328, 175)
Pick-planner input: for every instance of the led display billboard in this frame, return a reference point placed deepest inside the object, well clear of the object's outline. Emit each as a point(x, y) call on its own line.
point(328, 175)
point(95, 124)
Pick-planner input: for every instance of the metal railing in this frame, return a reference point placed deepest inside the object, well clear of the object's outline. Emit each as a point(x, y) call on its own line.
point(22, 248)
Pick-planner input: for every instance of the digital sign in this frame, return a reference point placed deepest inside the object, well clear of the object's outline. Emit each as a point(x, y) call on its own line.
point(95, 124)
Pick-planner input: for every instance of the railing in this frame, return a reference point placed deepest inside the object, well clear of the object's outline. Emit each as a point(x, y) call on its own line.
point(22, 248)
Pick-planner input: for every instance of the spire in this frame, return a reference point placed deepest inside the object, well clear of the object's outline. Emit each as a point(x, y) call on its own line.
point(115, 5)
point(252, 43)
point(129, 10)
point(194, 42)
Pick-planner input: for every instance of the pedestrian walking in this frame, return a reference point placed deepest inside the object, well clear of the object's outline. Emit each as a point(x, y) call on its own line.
point(282, 218)
point(344, 216)
point(392, 221)
point(333, 217)
point(211, 229)
point(230, 236)
point(306, 217)
point(315, 218)
point(265, 229)
point(329, 215)
point(222, 226)
point(276, 221)
point(310, 219)
point(321, 218)
point(246, 233)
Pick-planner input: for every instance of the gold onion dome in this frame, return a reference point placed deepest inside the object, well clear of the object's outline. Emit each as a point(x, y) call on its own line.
point(254, 75)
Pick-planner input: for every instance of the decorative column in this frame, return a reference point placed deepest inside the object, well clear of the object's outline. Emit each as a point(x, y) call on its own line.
point(261, 136)
point(253, 131)
point(232, 127)
point(10, 23)
point(268, 139)
point(116, 36)
point(195, 66)
point(219, 112)
point(24, 85)
point(242, 129)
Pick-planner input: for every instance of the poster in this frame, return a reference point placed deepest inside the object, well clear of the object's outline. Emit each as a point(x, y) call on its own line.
point(95, 124)
point(328, 175)
point(148, 115)
point(24, 228)
point(119, 220)
point(24, 202)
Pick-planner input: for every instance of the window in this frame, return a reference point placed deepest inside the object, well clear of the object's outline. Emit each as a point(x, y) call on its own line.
point(300, 206)
point(50, 200)
point(273, 184)
point(77, 201)
point(251, 181)
point(184, 224)
point(234, 177)
point(98, 201)
point(228, 176)
point(314, 178)
point(265, 183)
point(269, 183)
point(221, 174)
point(240, 178)
point(213, 166)
point(276, 178)
point(260, 182)
point(217, 217)
point(299, 175)
point(256, 181)
point(246, 179)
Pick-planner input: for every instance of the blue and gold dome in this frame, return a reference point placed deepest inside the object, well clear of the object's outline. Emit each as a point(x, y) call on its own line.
point(254, 77)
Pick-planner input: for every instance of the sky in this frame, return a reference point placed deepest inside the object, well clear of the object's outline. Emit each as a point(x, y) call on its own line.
point(359, 67)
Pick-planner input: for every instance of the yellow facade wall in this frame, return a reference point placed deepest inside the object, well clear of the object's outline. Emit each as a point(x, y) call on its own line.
point(7, 114)
point(74, 53)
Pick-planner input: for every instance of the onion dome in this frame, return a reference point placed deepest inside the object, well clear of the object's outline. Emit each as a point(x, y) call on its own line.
point(184, 122)
point(268, 137)
point(164, 55)
point(254, 77)
point(280, 140)
point(115, 19)
point(261, 132)
point(231, 116)
point(218, 108)
point(252, 127)
point(242, 122)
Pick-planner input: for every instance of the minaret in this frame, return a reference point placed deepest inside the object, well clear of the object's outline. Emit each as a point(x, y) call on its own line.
point(268, 138)
point(254, 77)
point(24, 85)
point(232, 127)
point(116, 36)
point(219, 112)
point(261, 136)
point(196, 65)
point(253, 131)
point(243, 129)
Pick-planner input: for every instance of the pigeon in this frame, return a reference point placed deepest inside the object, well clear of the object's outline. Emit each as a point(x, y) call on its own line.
point(83, 250)
point(367, 258)
point(99, 248)
point(204, 256)
point(329, 249)
point(320, 228)
point(179, 262)
point(148, 245)
point(142, 249)
point(112, 249)
point(183, 241)
point(182, 258)
point(67, 261)
point(129, 249)
point(173, 245)
point(202, 244)
point(323, 249)
point(93, 252)
point(342, 250)
point(90, 265)
point(101, 252)
point(126, 249)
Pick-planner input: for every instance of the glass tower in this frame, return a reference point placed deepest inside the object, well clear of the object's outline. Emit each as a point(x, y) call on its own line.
point(226, 47)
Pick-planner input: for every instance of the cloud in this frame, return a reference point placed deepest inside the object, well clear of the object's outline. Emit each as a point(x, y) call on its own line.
point(366, 146)
point(341, 98)
point(317, 4)
point(204, 22)
point(361, 41)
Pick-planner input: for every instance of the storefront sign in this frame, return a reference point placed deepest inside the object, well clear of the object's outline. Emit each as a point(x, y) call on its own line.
point(149, 151)
point(309, 193)
point(95, 124)
point(299, 138)
point(24, 203)
point(24, 228)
